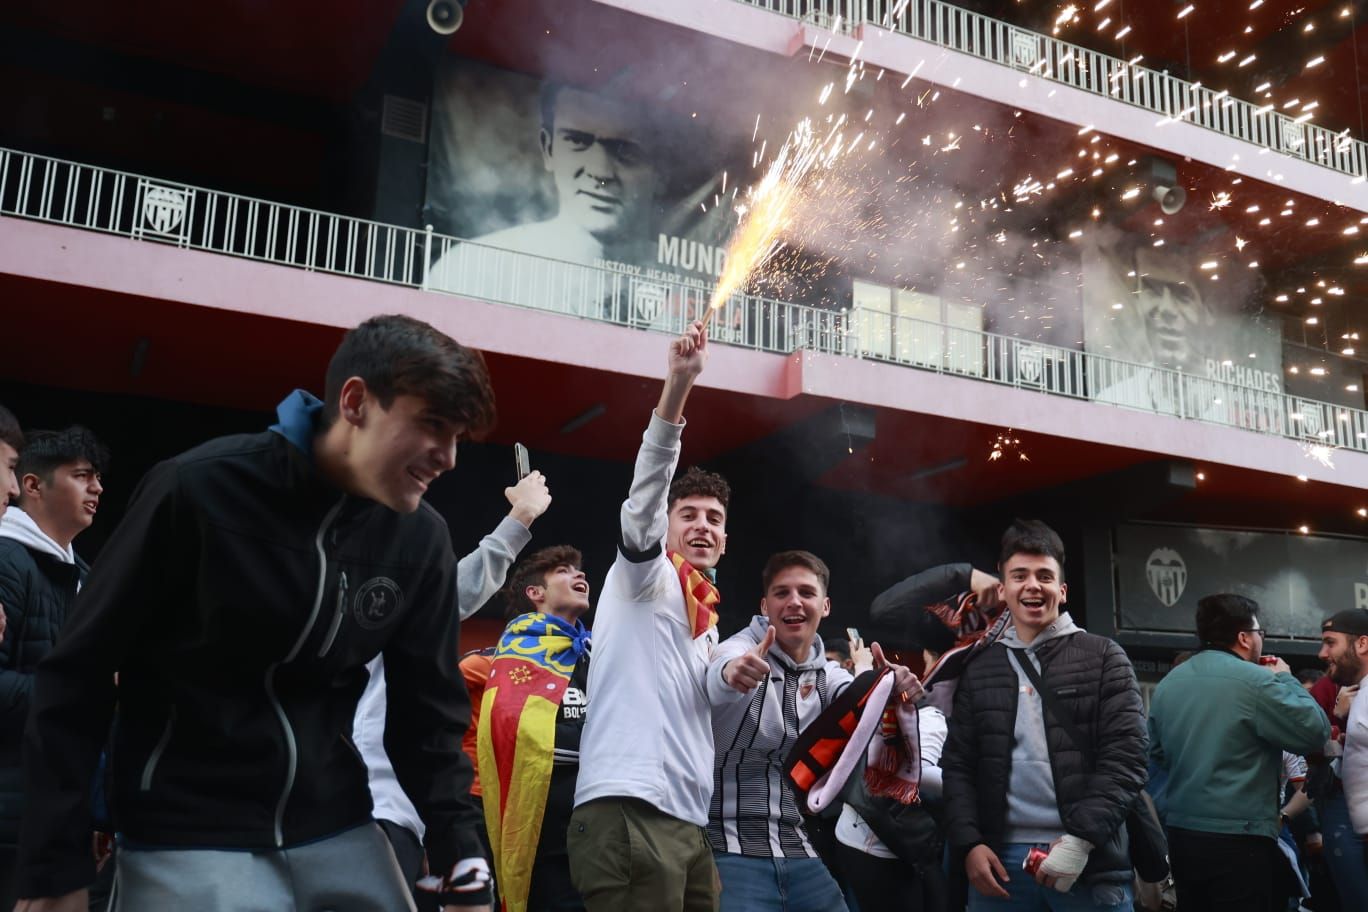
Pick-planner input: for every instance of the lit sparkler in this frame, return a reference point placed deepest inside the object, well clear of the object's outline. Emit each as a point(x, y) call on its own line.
point(769, 205)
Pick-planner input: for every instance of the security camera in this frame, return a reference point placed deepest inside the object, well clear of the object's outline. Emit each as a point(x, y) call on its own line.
point(445, 16)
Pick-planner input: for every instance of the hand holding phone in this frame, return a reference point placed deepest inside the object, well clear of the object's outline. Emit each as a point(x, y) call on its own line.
point(522, 464)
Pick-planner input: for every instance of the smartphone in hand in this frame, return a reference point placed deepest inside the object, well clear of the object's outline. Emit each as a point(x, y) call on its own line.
point(521, 463)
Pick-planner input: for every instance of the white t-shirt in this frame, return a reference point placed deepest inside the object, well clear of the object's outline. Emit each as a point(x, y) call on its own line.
point(1354, 762)
point(851, 828)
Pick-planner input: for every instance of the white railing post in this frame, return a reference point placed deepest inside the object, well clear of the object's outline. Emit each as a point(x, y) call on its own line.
point(427, 257)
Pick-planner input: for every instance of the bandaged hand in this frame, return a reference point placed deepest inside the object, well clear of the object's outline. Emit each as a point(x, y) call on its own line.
point(466, 885)
point(1067, 858)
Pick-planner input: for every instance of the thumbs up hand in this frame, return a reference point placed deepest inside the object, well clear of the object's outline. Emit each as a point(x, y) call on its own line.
point(747, 670)
point(905, 684)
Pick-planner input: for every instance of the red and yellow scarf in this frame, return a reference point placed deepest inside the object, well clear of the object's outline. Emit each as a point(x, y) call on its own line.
point(701, 597)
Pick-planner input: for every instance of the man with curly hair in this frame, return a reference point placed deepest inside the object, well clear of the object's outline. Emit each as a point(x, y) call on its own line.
point(637, 838)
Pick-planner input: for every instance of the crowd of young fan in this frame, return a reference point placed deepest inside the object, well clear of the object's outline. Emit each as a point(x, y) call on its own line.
point(255, 700)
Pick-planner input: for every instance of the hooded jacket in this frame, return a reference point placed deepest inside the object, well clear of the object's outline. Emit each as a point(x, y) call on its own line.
point(1094, 784)
point(240, 600)
point(38, 582)
point(753, 811)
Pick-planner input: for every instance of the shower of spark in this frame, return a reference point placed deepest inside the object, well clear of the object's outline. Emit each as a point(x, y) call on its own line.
point(768, 207)
point(1321, 453)
point(1006, 442)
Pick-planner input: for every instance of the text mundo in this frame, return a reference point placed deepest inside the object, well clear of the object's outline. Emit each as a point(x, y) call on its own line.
point(682, 253)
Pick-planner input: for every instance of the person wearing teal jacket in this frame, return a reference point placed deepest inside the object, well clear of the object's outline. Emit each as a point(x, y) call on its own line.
point(1219, 724)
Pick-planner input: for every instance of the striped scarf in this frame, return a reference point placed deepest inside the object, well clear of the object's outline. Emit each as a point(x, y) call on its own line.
point(517, 739)
point(701, 597)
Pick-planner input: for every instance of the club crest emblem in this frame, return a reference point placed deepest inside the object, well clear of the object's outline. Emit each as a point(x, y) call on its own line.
point(377, 602)
point(1167, 575)
point(807, 684)
point(163, 208)
point(649, 300)
point(1030, 364)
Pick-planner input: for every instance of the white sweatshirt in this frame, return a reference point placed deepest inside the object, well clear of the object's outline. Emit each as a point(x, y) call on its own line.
point(649, 731)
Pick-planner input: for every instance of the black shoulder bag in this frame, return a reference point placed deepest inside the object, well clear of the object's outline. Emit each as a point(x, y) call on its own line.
point(1148, 844)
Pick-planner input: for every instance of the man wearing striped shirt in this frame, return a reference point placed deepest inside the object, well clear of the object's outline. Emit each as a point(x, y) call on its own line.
point(766, 684)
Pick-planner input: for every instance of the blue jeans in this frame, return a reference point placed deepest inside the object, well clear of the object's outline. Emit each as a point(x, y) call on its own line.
point(1029, 896)
point(777, 885)
point(1343, 851)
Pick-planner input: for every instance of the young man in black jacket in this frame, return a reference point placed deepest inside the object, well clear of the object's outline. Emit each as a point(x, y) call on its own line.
point(40, 574)
point(239, 601)
point(11, 442)
point(1015, 776)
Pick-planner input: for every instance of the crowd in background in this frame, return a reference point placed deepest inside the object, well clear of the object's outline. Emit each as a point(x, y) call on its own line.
point(256, 698)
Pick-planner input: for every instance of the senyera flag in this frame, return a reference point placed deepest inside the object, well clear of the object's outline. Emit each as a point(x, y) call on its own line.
point(532, 666)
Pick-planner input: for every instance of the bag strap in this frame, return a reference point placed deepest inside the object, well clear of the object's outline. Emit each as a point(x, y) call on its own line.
point(1048, 698)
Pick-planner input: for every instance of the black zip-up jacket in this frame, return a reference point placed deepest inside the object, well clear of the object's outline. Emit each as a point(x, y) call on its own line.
point(239, 601)
point(1096, 784)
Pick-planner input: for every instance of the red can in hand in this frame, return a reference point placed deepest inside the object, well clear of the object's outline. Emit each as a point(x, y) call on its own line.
point(1033, 860)
point(1268, 660)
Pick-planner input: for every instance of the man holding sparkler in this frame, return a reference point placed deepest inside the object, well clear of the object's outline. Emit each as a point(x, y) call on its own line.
point(636, 837)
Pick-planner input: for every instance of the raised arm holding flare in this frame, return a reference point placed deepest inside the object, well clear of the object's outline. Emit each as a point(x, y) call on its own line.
point(636, 837)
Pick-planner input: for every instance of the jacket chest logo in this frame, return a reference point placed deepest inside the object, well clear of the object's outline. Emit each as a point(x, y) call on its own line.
point(807, 684)
point(377, 602)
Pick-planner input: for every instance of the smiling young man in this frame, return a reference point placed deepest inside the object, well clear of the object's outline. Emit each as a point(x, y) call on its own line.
point(641, 802)
point(531, 721)
point(240, 599)
point(766, 684)
point(1014, 779)
point(40, 573)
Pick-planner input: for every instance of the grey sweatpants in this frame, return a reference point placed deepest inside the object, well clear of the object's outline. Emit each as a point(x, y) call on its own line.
point(354, 871)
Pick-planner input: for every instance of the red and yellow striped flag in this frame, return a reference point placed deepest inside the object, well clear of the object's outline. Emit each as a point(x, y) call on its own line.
point(517, 739)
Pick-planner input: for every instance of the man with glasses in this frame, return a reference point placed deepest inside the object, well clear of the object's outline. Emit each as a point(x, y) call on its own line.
point(1218, 725)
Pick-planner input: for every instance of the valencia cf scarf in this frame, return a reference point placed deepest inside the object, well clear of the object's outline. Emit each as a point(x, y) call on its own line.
point(701, 597)
point(517, 739)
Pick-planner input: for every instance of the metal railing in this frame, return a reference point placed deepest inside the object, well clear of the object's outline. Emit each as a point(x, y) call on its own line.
point(1024, 50)
point(51, 190)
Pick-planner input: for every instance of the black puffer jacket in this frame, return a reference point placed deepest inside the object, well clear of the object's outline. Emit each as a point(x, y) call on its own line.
point(36, 589)
point(1095, 784)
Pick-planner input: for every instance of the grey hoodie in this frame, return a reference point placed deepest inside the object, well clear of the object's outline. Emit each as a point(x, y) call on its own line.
point(1032, 807)
point(753, 811)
